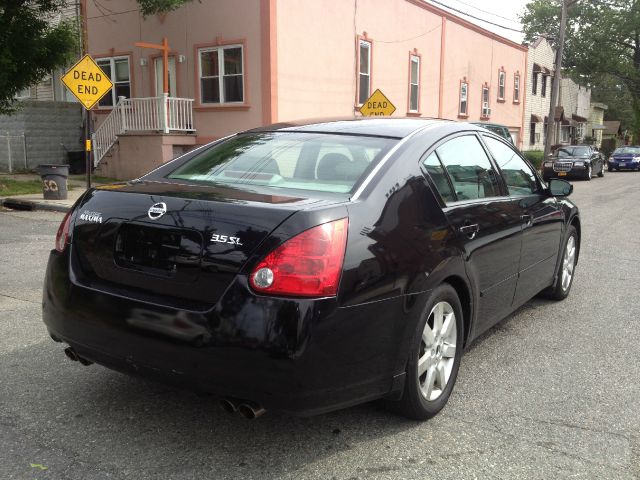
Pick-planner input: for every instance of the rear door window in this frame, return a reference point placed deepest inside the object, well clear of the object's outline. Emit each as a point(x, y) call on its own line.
point(292, 160)
point(469, 168)
point(437, 173)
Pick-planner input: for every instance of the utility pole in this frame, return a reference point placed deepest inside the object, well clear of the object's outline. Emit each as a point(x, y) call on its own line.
point(555, 87)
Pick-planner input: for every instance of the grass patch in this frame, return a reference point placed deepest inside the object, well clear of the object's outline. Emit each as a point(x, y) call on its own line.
point(15, 187)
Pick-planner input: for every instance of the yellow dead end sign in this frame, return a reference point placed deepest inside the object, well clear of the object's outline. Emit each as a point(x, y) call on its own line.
point(377, 105)
point(87, 82)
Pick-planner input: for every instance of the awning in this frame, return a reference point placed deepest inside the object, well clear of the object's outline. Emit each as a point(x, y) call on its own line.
point(597, 126)
point(535, 119)
point(578, 118)
point(536, 68)
point(546, 71)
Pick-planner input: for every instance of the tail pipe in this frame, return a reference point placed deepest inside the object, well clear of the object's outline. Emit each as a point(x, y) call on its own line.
point(73, 355)
point(251, 410)
point(246, 408)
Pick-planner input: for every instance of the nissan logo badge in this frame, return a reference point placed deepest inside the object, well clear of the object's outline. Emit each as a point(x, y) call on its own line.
point(157, 210)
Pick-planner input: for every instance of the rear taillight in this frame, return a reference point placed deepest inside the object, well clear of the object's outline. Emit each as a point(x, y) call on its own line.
point(307, 265)
point(63, 233)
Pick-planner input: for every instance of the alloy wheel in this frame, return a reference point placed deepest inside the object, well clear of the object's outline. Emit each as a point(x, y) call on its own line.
point(568, 263)
point(437, 351)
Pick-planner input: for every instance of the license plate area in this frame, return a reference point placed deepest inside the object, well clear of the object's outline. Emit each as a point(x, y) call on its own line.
point(155, 250)
point(562, 174)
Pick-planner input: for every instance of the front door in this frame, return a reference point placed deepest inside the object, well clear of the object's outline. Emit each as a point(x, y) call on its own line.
point(159, 76)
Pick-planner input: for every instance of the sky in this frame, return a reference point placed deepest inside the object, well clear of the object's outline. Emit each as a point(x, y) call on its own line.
point(502, 12)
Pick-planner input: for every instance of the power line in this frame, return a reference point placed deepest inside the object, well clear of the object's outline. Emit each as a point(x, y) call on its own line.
point(412, 38)
point(488, 13)
point(474, 17)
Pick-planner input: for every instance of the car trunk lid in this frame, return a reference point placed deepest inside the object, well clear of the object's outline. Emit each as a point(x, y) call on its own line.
point(123, 241)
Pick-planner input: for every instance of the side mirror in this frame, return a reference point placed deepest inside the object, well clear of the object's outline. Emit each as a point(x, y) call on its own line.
point(560, 188)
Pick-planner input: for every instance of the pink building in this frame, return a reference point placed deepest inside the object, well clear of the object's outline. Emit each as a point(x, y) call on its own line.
point(253, 62)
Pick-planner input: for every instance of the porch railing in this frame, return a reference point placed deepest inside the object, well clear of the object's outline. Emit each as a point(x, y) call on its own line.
point(152, 114)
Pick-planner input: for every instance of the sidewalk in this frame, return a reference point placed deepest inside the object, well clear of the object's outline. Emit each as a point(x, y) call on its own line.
point(36, 202)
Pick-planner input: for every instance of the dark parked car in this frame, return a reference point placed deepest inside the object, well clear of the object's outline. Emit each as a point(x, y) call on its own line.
point(575, 161)
point(310, 267)
point(499, 130)
point(625, 158)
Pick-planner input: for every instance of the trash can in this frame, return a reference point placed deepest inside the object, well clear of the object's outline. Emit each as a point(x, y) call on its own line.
point(54, 181)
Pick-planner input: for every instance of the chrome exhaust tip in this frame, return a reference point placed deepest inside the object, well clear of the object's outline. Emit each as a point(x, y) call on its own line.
point(251, 410)
point(71, 354)
point(229, 405)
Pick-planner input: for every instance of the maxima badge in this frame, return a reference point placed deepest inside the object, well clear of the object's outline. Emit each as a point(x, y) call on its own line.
point(157, 210)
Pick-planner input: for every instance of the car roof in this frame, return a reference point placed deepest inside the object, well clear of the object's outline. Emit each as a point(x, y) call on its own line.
point(369, 126)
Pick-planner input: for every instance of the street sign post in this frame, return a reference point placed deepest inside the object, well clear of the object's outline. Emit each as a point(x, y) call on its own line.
point(377, 105)
point(88, 83)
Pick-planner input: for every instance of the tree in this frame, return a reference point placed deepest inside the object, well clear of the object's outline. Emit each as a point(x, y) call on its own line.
point(31, 45)
point(151, 7)
point(602, 47)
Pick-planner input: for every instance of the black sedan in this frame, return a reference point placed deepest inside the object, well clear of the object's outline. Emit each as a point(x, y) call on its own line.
point(310, 267)
point(576, 161)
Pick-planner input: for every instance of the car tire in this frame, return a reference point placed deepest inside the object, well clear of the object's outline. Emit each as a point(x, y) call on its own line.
point(601, 172)
point(589, 173)
point(434, 358)
point(560, 290)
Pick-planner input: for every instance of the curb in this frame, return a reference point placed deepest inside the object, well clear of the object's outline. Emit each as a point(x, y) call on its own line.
point(17, 204)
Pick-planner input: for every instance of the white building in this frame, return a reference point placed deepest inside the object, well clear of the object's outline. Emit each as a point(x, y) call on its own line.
point(540, 63)
point(575, 101)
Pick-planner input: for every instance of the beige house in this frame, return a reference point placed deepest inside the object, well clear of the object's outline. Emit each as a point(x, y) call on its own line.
point(595, 125)
point(235, 65)
point(575, 102)
point(540, 66)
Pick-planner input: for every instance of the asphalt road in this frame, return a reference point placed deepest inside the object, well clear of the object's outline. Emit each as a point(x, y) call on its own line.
point(551, 392)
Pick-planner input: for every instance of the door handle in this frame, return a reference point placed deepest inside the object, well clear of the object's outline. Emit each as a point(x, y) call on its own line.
point(470, 230)
point(527, 219)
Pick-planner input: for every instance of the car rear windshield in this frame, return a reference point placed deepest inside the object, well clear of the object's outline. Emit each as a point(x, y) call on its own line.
point(627, 150)
point(572, 151)
point(308, 161)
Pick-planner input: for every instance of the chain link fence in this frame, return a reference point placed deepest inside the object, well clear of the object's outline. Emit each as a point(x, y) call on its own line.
point(13, 152)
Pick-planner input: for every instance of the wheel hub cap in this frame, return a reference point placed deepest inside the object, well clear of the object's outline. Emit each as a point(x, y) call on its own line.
point(437, 351)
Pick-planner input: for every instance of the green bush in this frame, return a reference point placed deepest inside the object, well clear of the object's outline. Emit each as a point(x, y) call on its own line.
point(535, 157)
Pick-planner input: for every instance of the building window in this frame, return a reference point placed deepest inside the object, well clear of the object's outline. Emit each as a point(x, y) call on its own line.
point(414, 83)
point(221, 74)
point(463, 109)
point(364, 71)
point(501, 84)
point(516, 88)
point(532, 134)
point(543, 87)
point(534, 83)
point(486, 111)
point(564, 134)
point(118, 70)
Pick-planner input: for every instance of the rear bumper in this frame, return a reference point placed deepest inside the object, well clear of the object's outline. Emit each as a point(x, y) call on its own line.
point(296, 355)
